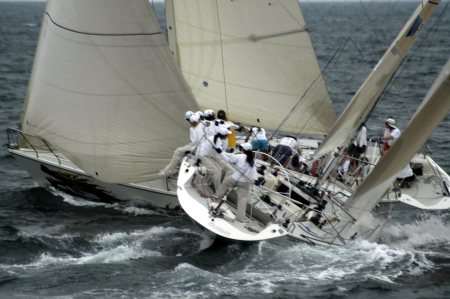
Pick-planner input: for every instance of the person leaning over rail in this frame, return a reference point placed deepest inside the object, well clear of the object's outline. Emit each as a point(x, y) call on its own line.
point(259, 140)
point(391, 134)
point(181, 151)
point(285, 149)
point(246, 166)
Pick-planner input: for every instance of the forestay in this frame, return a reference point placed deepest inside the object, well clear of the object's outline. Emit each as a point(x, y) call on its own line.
point(431, 112)
point(253, 59)
point(359, 107)
point(105, 89)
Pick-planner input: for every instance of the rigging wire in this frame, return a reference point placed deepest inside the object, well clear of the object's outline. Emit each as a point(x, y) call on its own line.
point(324, 74)
point(406, 64)
point(370, 22)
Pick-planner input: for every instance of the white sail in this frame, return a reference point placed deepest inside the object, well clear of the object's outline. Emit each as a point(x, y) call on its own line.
point(254, 59)
point(357, 110)
point(105, 89)
point(432, 111)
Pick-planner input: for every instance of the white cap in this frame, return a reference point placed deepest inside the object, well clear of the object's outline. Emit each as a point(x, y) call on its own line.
point(224, 131)
point(247, 146)
point(390, 122)
point(199, 113)
point(208, 113)
point(188, 115)
point(194, 118)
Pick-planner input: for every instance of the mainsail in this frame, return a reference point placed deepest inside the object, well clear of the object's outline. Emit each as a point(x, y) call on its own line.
point(253, 59)
point(431, 112)
point(359, 107)
point(105, 89)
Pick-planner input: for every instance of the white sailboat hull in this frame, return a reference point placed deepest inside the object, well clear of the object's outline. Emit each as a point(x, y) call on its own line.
point(47, 170)
point(278, 221)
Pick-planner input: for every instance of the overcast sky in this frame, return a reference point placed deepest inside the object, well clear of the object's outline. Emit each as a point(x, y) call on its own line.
point(300, 0)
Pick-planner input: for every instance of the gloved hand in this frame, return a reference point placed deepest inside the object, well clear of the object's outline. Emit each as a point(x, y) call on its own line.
point(187, 153)
point(218, 150)
point(257, 183)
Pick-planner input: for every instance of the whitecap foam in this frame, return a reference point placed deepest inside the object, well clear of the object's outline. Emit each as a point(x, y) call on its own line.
point(429, 231)
point(78, 201)
point(355, 261)
point(118, 254)
point(137, 211)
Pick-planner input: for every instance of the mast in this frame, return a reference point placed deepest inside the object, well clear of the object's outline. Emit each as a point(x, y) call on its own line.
point(429, 115)
point(362, 103)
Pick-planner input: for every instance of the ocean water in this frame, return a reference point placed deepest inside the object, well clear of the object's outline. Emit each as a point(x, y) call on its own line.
point(53, 245)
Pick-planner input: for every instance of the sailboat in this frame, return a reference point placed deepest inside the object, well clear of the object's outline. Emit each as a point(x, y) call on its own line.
point(336, 217)
point(226, 51)
point(322, 213)
point(105, 103)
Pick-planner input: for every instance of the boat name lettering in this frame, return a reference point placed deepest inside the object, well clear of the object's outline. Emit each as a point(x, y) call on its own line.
point(221, 230)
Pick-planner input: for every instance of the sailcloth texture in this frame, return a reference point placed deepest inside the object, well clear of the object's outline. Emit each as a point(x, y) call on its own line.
point(432, 111)
point(105, 89)
point(254, 59)
point(362, 103)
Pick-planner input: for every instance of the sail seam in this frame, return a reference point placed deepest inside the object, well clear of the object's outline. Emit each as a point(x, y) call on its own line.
point(99, 34)
point(223, 62)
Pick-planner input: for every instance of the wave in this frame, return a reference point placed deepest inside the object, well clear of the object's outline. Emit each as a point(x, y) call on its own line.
point(266, 269)
point(427, 231)
point(74, 249)
point(132, 207)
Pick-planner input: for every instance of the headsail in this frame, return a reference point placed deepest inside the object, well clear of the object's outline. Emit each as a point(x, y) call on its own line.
point(359, 107)
point(253, 59)
point(105, 89)
point(432, 111)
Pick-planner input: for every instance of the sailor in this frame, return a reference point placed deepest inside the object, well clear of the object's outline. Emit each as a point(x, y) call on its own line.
point(232, 127)
point(181, 151)
point(207, 152)
point(342, 169)
point(246, 167)
point(298, 163)
point(208, 122)
point(406, 176)
point(202, 118)
point(283, 151)
point(391, 134)
point(259, 141)
point(360, 144)
point(223, 135)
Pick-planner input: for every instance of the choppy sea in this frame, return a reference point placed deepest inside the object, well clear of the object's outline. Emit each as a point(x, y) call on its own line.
point(53, 245)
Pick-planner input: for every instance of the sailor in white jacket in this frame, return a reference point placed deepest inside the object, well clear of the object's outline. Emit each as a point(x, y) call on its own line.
point(180, 152)
point(246, 167)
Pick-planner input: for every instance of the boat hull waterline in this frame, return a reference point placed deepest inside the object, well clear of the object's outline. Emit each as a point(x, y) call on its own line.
point(46, 171)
